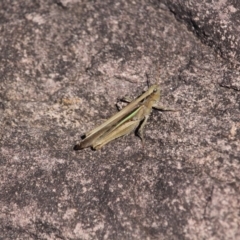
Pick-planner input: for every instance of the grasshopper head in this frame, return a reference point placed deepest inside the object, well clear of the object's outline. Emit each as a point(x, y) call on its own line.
point(154, 88)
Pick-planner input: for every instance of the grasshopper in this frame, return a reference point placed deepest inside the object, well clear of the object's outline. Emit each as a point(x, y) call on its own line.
point(133, 116)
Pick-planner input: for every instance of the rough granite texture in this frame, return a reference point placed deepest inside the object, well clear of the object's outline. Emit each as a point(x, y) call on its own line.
point(63, 66)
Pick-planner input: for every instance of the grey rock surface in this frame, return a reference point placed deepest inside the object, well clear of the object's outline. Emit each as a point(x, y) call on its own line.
point(215, 23)
point(63, 66)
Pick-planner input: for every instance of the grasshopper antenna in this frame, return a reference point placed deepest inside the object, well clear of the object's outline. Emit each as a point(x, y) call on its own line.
point(147, 76)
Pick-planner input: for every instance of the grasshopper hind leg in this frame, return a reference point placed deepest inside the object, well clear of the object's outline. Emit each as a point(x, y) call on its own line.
point(124, 129)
